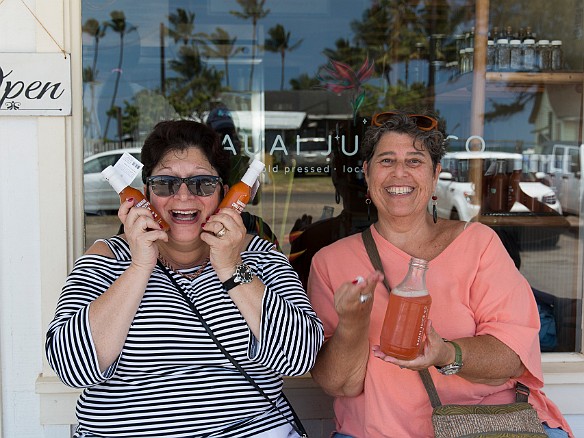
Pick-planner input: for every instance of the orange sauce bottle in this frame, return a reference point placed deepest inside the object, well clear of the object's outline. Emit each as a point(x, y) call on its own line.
point(240, 193)
point(404, 326)
point(125, 192)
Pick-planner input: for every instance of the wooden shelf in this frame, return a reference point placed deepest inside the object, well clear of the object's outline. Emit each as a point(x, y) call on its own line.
point(524, 220)
point(536, 78)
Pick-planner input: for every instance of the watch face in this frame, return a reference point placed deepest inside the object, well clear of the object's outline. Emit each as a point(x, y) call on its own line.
point(450, 369)
point(243, 274)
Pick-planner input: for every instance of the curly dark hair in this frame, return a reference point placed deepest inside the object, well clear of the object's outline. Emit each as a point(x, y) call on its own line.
point(402, 122)
point(179, 135)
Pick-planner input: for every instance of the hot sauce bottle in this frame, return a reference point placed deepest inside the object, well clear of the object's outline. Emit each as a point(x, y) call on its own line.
point(240, 193)
point(404, 327)
point(125, 191)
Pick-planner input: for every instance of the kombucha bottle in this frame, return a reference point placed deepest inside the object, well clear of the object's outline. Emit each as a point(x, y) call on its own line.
point(514, 191)
point(403, 331)
point(499, 190)
point(125, 192)
point(240, 193)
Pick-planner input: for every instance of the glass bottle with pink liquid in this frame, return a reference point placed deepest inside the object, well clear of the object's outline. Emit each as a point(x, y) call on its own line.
point(404, 327)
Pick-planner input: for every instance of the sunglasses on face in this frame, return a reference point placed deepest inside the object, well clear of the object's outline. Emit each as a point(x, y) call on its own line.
point(424, 123)
point(198, 185)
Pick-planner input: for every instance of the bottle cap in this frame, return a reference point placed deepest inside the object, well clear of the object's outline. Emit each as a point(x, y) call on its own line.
point(556, 43)
point(502, 41)
point(543, 42)
point(529, 41)
point(490, 43)
point(251, 175)
point(515, 42)
point(114, 178)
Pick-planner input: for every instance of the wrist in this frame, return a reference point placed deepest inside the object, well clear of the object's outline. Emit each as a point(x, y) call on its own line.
point(225, 273)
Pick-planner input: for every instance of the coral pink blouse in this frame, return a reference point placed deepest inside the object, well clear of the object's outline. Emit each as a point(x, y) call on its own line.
point(475, 289)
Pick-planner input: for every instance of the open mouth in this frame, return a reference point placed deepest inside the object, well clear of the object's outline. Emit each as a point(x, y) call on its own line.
point(185, 215)
point(399, 190)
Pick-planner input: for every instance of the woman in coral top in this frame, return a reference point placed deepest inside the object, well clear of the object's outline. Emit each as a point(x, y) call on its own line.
point(480, 301)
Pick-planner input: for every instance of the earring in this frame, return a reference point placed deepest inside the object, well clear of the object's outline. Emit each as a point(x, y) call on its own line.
point(434, 209)
point(368, 202)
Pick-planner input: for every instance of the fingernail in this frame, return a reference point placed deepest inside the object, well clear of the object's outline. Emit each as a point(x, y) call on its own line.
point(358, 280)
point(203, 224)
point(216, 211)
point(130, 200)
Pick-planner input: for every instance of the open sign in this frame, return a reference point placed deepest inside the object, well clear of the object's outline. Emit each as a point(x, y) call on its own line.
point(35, 84)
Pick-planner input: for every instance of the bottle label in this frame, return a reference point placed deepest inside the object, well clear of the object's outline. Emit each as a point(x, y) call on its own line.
point(238, 206)
point(145, 204)
point(128, 167)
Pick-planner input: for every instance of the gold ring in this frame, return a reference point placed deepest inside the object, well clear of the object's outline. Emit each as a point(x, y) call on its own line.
point(221, 232)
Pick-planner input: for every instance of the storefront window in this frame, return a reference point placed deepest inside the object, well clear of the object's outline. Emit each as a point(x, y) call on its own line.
point(295, 83)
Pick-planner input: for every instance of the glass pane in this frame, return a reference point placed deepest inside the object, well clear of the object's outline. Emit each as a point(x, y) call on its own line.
point(296, 84)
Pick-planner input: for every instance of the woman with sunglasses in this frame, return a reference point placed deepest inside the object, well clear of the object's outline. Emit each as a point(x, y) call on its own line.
point(145, 318)
point(480, 301)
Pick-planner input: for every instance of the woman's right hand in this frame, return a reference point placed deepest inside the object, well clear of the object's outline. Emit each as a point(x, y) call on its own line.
point(142, 232)
point(354, 300)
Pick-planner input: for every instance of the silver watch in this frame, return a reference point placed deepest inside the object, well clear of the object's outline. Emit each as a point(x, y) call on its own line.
point(242, 275)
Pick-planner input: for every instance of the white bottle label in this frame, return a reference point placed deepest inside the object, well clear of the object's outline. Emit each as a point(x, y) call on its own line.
point(128, 167)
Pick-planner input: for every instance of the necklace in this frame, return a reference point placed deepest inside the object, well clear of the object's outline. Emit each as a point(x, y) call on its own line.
point(187, 276)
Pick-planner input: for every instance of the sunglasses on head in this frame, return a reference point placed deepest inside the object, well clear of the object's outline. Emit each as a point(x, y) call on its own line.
point(198, 185)
point(424, 123)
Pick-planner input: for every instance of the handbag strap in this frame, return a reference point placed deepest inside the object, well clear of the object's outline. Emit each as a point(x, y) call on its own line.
point(373, 254)
point(297, 425)
point(521, 391)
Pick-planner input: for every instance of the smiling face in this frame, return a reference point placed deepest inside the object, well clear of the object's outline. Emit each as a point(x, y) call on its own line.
point(400, 177)
point(184, 211)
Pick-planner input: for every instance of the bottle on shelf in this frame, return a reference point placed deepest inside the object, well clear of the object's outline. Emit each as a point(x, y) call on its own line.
point(491, 56)
point(125, 191)
point(544, 55)
point(503, 54)
point(515, 55)
point(499, 188)
point(529, 55)
point(494, 34)
point(514, 191)
point(528, 34)
point(404, 326)
point(557, 56)
point(240, 194)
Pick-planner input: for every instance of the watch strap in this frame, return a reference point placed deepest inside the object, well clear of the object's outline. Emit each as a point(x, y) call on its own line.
point(230, 284)
point(457, 352)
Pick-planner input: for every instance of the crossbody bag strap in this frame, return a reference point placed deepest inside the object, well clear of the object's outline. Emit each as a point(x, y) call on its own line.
point(297, 425)
point(373, 254)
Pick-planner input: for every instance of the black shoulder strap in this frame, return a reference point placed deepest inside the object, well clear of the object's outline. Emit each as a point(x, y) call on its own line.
point(297, 425)
point(374, 254)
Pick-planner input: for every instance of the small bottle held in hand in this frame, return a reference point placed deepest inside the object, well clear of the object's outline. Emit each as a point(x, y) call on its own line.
point(125, 191)
point(404, 326)
point(240, 194)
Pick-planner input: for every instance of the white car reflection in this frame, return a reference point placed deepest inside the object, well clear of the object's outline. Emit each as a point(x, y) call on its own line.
point(456, 192)
point(100, 197)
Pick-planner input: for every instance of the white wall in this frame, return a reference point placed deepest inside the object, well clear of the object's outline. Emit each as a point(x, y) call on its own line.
point(35, 157)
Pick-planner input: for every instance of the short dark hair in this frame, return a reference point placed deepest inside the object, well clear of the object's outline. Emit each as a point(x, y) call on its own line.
point(402, 122)
point(180, 135)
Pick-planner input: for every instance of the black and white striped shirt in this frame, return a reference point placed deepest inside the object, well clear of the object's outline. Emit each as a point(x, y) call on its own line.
point(170, 379)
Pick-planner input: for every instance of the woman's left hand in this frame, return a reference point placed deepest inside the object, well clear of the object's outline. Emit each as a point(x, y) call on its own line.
point(436, 352)
point(225, 234)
